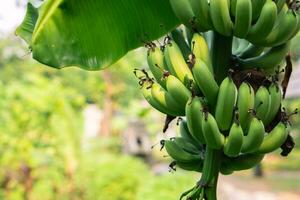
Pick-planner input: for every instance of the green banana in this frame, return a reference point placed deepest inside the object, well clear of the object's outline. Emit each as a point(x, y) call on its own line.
point(274, 139)
point(245, 102)
point(243, 161)
point(262, 103)
point(186, 146)
point(177, 90)
point(178, 37)
point(243, 18)
point(234, 141)
point(164, 99)
point(146, 91)
point(275, 102)
point(265, 23)
point(257, 6)
point(193, 111)
point(183, 11)
point(213, 137)
point(220, 15)
point(268, 60)
point(156, 64)
point(201, 11)
point(226, 101)
point(224, 169)
point(282, 32)
point(176, 63)
point(254, 137)
point(179, 154)
point(196, 166)
point(251, 51)
point(185, 133)
point(205, 81)
point(279, 4)
point(201, 50)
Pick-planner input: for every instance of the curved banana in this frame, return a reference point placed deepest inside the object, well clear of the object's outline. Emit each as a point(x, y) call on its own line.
point(251, 51)
point(212, 135)
point(146, 91)
point(243, 18)
point(186, 146)
point(262, 103)
point(279, 4)
point(257, 6)
point(254, 137)
point(274, 139)
point(265, 23)
point(179, 154)
point(155, 59)
point(196, 166)
point(201, 50)
point(234, 141)
point(205, 81)
point(275, 102)
point(243, 161)
point(245, 102)
point(268, 60)
point(177, 90)
point(185, 133)
point(282, 32)
point(193, 112)
point(178, 37)
point(225, 106)
point(183, 11)
point(165, 100)
point(220, 15)
point(176, 63)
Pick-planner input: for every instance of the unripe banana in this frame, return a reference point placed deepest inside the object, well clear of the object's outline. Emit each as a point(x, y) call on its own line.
point(251, 51)
point(146, 91)
point(279, 4)
point(179, 154)
point(245, 102)
point(265, 23)
point(178, 37)
point(268, 60)
point(205, 81)
point(177, 90)
point(262, 103)
point(243, 18)
point(254, 137)
point(274, 139)
point(185, 133)
point(165, 100)
point(224, 169)
point(275, 102)
point(176, 63)
point(196, 166)
point(257, 6)
point(183, 11)
point(213, 137)
point(186, 146)
point(220, 15)
point(243, 162)
point(156, 64)
point(193, 111)
point(226, 101)
point(201, 11)
point(234, 141)
point(201, 50)
point(282, 32)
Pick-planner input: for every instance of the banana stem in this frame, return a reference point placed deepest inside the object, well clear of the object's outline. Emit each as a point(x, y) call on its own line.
point(221, 55)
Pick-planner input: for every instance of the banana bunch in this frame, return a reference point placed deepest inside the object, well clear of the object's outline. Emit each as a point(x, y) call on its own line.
point(266, 23)
point(234, 122)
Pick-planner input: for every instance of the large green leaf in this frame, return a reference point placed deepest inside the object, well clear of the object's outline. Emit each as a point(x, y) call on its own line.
point(93, 34)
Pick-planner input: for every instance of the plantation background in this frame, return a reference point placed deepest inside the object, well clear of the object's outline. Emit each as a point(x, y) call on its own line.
point(67, 134)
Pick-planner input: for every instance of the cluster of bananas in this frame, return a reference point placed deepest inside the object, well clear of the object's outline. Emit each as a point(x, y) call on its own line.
point(232, 117)
point(262, 22)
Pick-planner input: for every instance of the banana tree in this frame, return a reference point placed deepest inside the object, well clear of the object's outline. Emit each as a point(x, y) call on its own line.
point(221, 74)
